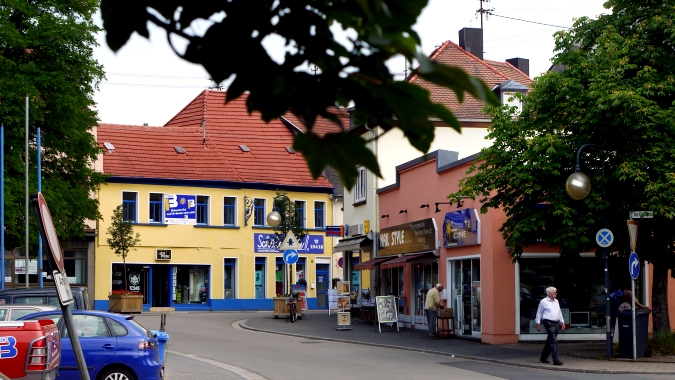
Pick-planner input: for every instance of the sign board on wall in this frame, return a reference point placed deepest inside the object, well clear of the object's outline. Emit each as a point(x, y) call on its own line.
point(163, 255)
point(416, 236)
point(180, 209)
point(335, 231)
point(311, 244)
point(461, 228)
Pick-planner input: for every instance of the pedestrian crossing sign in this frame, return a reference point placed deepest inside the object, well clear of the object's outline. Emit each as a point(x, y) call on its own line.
point(290, 242)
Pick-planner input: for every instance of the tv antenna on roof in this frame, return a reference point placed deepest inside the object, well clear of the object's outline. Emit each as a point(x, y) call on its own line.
point(484, 11)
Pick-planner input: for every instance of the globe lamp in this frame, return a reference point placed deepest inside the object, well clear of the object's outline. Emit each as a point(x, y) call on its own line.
point(274, 219)
point(578, 186)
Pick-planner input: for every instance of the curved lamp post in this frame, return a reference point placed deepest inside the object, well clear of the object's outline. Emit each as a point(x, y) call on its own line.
point(274, 219)
point(578, 186)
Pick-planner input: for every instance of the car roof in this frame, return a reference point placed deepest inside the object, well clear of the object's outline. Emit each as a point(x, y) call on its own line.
point(26, 305)
point(88, 312)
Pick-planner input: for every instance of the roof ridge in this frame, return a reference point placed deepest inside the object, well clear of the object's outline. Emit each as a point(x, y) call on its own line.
point(184, 108)
point(481, 61)
point(433, 55)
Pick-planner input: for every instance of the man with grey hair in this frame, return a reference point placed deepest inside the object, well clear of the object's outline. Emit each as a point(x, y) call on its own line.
point(432, 303)
point(550, 315)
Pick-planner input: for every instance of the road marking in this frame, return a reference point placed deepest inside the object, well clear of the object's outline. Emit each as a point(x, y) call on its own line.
point(246, 374)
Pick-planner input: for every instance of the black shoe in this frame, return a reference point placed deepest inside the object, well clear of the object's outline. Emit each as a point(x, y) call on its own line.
point(432, 337)
point(557, 363)
point(544, 361)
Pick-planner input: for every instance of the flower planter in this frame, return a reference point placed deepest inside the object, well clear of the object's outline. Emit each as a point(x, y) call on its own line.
point(125, 303)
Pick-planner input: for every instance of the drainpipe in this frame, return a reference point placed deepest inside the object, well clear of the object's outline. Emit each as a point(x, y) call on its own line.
point(375, 224)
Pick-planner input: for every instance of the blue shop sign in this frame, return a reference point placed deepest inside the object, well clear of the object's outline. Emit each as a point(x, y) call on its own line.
point(311, 244)
point(461, 228)
point(180, 209)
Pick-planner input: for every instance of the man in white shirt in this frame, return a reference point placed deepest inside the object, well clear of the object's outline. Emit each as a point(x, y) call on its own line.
point(550, 315)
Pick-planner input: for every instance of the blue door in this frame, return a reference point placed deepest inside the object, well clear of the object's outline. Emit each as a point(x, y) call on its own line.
point(322, 281)
point(98, 346)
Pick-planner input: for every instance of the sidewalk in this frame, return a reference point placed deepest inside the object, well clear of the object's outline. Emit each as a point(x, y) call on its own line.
point(576, 356)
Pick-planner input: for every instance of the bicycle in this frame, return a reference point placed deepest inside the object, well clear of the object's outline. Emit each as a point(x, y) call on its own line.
point(292, 309)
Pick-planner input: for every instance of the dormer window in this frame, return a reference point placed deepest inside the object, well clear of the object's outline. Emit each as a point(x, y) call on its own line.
point(507, 92)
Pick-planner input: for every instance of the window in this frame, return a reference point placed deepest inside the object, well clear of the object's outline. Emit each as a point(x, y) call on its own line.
point(156, 207)
point(300, 212)
point(259, 212)
point(129, 203)
point(75, 264)
point(301, 270)
point(360, 188)
point(202, 209)
point(319, 215)
point(229, 211)
point(259, 277)
point(280, 276)
point(230, 278)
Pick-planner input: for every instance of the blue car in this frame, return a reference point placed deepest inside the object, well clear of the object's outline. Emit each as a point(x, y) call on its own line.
point(115, 346)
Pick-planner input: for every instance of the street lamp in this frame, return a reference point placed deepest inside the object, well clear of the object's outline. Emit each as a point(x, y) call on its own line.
point(274, 219)
point(578, 186)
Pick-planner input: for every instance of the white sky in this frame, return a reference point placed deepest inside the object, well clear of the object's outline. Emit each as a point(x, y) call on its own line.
point(147, 83)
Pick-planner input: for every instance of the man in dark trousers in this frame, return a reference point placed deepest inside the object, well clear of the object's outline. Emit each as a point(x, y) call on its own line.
point(550, 315)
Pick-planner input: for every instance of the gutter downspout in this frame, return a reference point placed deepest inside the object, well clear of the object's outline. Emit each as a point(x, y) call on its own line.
point(375, 225)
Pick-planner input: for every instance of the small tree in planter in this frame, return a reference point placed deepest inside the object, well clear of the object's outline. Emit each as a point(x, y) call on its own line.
point(122, 239)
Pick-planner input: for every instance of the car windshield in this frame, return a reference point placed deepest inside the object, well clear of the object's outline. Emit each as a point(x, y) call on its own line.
point(145, 331)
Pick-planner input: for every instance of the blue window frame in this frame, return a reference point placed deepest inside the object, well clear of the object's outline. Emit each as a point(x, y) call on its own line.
point(129, 203)
point(319, 215)
point(229, 204)
point(300, 212)
point(202, 209)
point(259, 212)
point(156, 207)
point(230, 278)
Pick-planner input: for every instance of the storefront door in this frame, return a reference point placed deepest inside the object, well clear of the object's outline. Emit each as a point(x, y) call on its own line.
point(466, 296)
point(426, 277)
point(321, 286)
point(160, 285)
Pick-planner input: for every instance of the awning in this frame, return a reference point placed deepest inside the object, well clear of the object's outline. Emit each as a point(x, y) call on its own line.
point(350, 244)
point(401, 261)
point(370, 264)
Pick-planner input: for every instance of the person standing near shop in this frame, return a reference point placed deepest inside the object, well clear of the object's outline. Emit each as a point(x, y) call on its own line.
point(550, 315)
point(431, 305)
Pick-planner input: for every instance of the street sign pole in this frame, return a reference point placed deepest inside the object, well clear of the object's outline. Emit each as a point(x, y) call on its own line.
point(634, 270)
point(632, 289)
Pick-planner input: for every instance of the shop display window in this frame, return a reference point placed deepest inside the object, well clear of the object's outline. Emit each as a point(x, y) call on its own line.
point(259, 277)
point(280, 269)
point(230, 278)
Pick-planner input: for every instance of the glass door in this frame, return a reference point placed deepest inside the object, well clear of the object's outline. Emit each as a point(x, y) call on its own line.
point(321, 286)
point(466, 296)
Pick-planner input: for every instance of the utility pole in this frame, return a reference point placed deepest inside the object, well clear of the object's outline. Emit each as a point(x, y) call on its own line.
point(484, 11)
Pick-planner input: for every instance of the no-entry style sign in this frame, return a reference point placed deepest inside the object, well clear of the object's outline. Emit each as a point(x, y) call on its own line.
point(50, 232)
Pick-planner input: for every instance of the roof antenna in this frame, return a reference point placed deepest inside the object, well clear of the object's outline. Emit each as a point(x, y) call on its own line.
point(484, 11)
point(315, 69)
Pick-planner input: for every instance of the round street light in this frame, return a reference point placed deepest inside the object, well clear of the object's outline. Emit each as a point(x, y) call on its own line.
point(273, 219)
point(578, 186)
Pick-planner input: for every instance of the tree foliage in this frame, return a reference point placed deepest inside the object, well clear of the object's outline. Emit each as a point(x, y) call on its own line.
point(122, 239)
point(291, 219)
point(617, 91)
point(45, 54)
point(353, 73)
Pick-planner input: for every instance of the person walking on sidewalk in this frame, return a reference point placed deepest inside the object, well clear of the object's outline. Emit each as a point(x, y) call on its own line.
point(550, 315)
point(432, 303)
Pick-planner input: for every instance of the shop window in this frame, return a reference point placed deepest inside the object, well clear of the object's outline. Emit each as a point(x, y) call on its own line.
point(259, 212)
point(129, 200)
point(230, 278)
point(156, 207)
point(300, 212)
point(280, 286)
point(301, 269)
point(259, 277)
point(75, 264)
point(229, 211)
point(319, 215)
point(202, 209)
point(360, 188)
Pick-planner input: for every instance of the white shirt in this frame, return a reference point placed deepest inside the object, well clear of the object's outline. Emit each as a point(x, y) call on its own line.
point(549, 309)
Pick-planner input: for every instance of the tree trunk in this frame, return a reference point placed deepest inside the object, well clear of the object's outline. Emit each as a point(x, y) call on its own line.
point(126, 286)
point(660, 298)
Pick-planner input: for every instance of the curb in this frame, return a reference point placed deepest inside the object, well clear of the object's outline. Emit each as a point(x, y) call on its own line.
point(243, 325)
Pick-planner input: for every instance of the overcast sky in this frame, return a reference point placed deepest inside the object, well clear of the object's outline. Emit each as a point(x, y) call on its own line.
point(147, 83)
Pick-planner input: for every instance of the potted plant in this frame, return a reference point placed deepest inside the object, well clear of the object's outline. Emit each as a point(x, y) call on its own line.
point(122, 240)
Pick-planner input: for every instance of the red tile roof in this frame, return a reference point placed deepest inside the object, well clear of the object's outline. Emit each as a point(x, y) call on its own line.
point(491, 72)
point(148, 152)
point(322, 126)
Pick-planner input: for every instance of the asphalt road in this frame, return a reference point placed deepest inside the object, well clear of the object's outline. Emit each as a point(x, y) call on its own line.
point(209, 346)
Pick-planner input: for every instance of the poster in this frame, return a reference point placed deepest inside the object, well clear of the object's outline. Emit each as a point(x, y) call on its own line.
point(343, 303)
point(344, 319)
point(343, 287)
point(180, 209)
point(387, 310)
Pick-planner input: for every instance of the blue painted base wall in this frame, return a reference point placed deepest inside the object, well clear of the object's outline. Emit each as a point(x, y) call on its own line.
point(255, 304)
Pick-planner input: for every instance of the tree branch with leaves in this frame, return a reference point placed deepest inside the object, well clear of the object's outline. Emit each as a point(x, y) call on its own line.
point(122, 239)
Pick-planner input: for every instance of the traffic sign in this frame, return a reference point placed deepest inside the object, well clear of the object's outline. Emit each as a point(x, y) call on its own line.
point(604, 238)
point(632, 233)
point(642, 214)
point(63, 288)
point(291, 256)
point(50, 232)
point(634, 265)
point(290, 242)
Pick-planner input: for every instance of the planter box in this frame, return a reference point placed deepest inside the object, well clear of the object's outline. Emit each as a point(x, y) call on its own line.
point(281, 308)
point(118, 303)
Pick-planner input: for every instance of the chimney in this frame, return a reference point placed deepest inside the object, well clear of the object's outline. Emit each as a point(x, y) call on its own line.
point(471, 39)
point(522, 64)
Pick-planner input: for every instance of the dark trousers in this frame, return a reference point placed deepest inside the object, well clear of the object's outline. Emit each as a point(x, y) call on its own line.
point(551, 346)
point(431, 322)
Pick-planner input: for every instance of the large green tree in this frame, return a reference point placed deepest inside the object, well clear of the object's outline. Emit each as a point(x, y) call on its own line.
point(615, 89)
point(350, 74)
point(46, 54)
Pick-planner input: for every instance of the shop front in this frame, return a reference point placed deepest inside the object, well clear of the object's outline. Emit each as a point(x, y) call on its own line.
point(356, 248)
point(413, 269)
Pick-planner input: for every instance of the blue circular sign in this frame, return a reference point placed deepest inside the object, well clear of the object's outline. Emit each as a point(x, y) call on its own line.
point(291, 256)
point(604, 238)
point(634, 265)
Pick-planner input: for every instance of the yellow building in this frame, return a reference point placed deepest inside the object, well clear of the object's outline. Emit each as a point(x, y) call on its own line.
point(198, 191)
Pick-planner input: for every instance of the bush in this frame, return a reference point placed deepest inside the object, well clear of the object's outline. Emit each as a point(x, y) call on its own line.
point(663, 343)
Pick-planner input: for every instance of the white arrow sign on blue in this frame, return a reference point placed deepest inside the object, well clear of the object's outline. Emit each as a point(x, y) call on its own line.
point(604, 238)
point(634, 265)
point(291, 256)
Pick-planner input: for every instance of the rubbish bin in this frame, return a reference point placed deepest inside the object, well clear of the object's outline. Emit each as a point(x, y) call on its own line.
point(625, 318)
point(162, 338)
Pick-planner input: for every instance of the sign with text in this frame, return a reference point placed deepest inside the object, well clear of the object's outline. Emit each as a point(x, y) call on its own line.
point(180, 209)
point(335, 231)
point(461, 228)
point(417, 236)
point(311, 244)
point(163, 255)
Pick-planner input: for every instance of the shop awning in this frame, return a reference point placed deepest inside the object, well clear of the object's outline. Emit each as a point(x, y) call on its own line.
point(370, 264)
point(350, 244)
point(401, 261)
